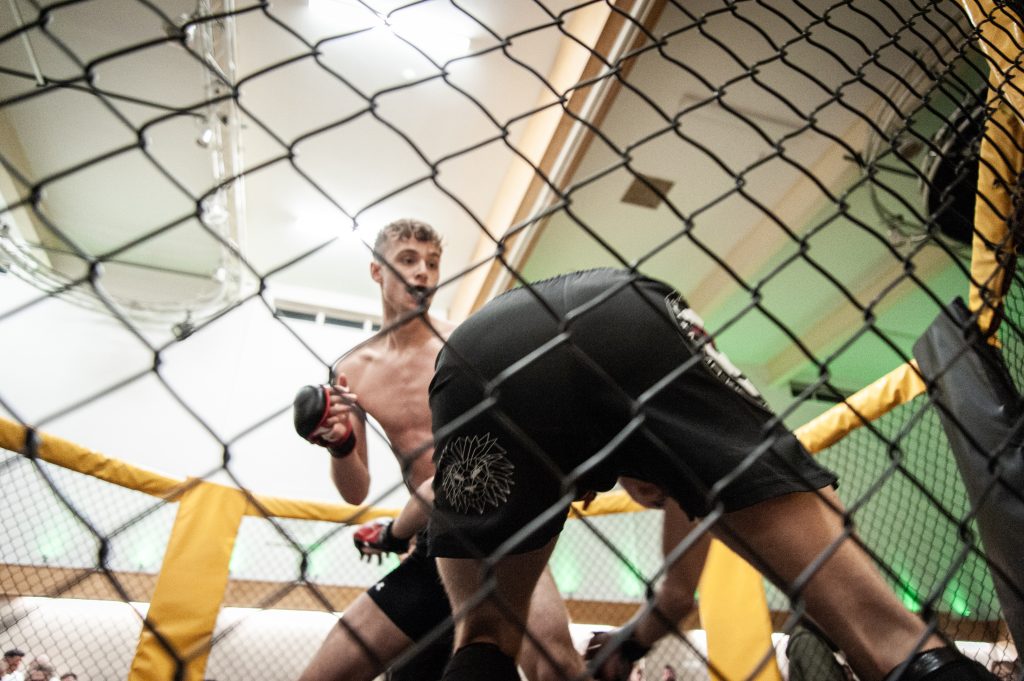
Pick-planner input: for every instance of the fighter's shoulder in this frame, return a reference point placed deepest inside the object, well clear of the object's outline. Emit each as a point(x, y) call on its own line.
point(355, 364)
point(443, 327)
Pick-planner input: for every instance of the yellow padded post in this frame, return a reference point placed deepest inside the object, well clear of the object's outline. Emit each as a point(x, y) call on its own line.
point(1002, 156)
point(871, 402)
point(734, 613)
point(191, 584)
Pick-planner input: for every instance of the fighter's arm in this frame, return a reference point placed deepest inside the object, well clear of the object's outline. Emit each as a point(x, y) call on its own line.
point(330, 416)
point(386, 536)
point(351, 474)
point(347, 422)
point(416, 512)
point(673, 600)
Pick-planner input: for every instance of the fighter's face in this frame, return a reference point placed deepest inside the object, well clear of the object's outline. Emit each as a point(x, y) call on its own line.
point(647, 494)
point(413, 273)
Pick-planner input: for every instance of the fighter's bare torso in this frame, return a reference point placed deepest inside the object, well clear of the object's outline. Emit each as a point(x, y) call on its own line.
point(390, 375)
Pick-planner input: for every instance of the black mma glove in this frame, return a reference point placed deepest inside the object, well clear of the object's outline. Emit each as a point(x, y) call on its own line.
point(619, 664)
point(375, 539)
point(310, 410)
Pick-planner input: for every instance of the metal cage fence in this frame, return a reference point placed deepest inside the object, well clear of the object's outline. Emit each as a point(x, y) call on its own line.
point(851, 150)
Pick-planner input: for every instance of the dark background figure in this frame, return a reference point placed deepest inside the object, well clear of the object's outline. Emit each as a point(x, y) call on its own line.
point(812, 656)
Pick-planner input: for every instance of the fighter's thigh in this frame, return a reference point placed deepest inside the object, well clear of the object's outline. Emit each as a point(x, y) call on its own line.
point(359, 647)
point(492, 605)
point(548, 652)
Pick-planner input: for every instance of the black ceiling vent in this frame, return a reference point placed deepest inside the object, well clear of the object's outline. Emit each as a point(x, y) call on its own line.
point(952, 174)
point(819, 393)
point(641, 194)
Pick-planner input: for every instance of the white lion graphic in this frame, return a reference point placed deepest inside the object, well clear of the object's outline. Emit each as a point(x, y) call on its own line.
point(476, 473)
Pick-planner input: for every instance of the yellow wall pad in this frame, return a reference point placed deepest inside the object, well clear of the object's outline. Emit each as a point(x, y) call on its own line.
point(191, 585)
point(279, 507)
point(734, 613)
point(897, 387)
point(1000, 155)
point(74, 457)
point(66, 454)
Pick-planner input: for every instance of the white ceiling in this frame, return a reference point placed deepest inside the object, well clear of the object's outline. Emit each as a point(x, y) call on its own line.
point(341, 123)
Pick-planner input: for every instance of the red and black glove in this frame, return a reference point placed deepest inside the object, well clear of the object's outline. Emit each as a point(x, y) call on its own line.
point(311, 409)
point(618, 664)
point(375, 539)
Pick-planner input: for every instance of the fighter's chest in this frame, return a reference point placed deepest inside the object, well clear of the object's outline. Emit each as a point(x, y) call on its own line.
point(396, 395)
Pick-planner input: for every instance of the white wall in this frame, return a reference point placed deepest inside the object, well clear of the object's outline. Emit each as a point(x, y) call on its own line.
point(96, 639)
point(84, 376)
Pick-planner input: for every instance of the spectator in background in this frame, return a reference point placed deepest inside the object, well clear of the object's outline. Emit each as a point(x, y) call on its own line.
point(38, 674)
point(43, 664)
point(12, 662)
point(1006, 670)
point(812, 655)
point(668, 673)
point(69, 676)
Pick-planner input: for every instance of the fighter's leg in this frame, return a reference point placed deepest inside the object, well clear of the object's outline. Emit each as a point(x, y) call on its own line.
point(408, 605)
point(360, 647)
point(548, 653)
point(490, 607)
point(846, 595)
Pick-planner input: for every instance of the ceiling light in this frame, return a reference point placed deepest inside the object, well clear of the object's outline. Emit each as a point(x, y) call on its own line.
point(205, 137)
point(434, 36)
point(352, 15)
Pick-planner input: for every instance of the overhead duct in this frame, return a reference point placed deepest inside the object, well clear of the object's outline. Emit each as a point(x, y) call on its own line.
point(923, 165)
point(146, 293)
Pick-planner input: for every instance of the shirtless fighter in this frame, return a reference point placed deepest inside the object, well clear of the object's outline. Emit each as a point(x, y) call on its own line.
point(387, 377)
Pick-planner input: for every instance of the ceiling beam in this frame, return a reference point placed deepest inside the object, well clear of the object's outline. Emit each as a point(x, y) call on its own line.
point(554, 143)
point(846, 319)
point(22, 221)
point(794, 208)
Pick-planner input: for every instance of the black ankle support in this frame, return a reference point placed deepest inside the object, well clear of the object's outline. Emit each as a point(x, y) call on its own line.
point(940, 664)
point(481, 662)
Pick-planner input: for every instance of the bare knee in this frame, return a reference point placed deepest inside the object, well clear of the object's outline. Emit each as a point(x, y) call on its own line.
point(486, 624)
point(554, 663)
point(359, 646)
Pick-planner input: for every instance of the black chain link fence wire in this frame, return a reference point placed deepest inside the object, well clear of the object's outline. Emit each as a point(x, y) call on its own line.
point(82, 528)
point(1010, 330)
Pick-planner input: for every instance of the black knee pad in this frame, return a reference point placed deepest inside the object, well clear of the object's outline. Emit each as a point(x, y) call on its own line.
point(941, 664)
point(481, 662)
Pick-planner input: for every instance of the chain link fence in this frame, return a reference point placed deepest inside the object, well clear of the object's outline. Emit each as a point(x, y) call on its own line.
point(157, 297)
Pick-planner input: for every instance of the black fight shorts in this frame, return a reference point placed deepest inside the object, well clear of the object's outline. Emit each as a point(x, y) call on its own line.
point(552, 391)
point(412, 595)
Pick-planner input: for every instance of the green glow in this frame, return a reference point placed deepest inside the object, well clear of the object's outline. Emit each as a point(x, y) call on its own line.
point(315, 562)
point(910, 602)
point(566, 570)
point(237, 561)
point(956, 598)
point(146, 555)
point(51, 545)
point(908, 591)
point(630, 584)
